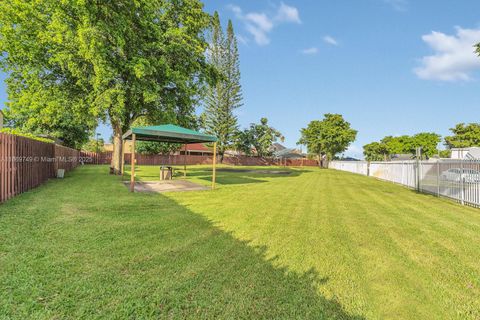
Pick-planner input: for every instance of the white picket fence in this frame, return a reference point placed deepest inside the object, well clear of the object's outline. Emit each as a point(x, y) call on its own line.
point(455, 179)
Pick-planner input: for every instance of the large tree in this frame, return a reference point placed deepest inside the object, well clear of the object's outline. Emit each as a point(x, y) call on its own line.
point(405, 144)
point(225, 95)
point(108, 60)
point(375, 151)
point(464, 136)
point(397, 145)
point(260, 137)
point(428, 141)
point(327, 137)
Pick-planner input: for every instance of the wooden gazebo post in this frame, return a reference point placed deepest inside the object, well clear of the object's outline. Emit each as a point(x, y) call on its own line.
point(185, 160)
point(122, 166)
point(214, 164)
point(132, 160)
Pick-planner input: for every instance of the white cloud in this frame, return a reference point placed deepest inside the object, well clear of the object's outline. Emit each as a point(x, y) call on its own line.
point(242, 39)
point(287, 13)
point(454, 58)
point(260, 21)
point(235, 9)
point(260, 36)
point(310, 51)
point(330, 40)
point(260, 24)
point(399, 5)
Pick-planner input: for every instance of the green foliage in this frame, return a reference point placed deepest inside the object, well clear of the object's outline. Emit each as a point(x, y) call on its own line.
point(464, 135)
point(152, 147)
point(73, 62)
point(17, 132)
point(445, 153)
point(375, 151)
point(225, 94)
point(94, 145)
point(397, 145)
point(244, 142)
point(259, 136)
point(388, 146)
point(428, 141)
point(329, 136)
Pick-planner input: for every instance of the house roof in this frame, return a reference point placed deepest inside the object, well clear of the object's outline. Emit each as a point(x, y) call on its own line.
point(287, 153)
point(402, 156)
point(277, 146)
point(168, 133)
point(473, 154)
point(199, 147)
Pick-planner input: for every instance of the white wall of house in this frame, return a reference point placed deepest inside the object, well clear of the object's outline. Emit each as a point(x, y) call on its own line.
point(461, 153)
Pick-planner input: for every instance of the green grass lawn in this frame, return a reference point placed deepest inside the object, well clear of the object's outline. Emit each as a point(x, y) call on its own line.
point(313, 244)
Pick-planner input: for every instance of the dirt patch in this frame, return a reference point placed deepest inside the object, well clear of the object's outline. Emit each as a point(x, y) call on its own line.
point(165, 186)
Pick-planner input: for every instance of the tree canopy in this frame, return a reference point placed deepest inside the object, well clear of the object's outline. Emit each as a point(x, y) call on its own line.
point(328, 137)
point(388, 146)
point(260, 137)
point(70, 63)
point(375, 151)
point(464, 136)
point(94, 145)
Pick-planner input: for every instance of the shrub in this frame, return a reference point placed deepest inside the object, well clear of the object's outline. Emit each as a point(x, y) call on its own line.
point(17, 132)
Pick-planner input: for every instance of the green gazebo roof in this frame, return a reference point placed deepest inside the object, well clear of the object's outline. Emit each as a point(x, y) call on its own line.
point(168, 133)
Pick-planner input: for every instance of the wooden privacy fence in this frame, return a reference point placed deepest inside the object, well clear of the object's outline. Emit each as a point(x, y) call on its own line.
point(106, 158)
point(87, 157)
point(26, 163)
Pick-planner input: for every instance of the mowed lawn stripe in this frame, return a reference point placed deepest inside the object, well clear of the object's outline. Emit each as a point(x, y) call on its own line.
point(390, 264)
point(397, 242)
point(424, 245)
point(317, 244)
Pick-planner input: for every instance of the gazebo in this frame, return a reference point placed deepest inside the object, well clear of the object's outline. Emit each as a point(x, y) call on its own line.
point(166, 133)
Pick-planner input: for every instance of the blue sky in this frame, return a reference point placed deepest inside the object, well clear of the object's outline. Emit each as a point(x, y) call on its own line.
point(391, 67)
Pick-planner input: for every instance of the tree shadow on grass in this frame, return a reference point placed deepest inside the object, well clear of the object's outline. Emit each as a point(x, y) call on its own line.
point(242, 176)
point(195, 270)
point(223, 177)
point(123, 255)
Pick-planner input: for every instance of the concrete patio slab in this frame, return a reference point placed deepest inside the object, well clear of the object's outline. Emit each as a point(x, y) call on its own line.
point(166, 186)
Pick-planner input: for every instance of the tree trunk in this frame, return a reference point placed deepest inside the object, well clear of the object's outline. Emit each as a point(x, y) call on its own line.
point(221, 154)
point(117, 149)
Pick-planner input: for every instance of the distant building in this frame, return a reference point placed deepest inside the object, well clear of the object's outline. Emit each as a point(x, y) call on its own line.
point(277, 147)
point(349, 159)
point(402, 157)
point(465, 153)
point(289, 154)
point(197, 149)
point(108, 147)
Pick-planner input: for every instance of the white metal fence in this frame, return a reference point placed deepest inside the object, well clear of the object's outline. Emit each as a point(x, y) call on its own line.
point(455, 179)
